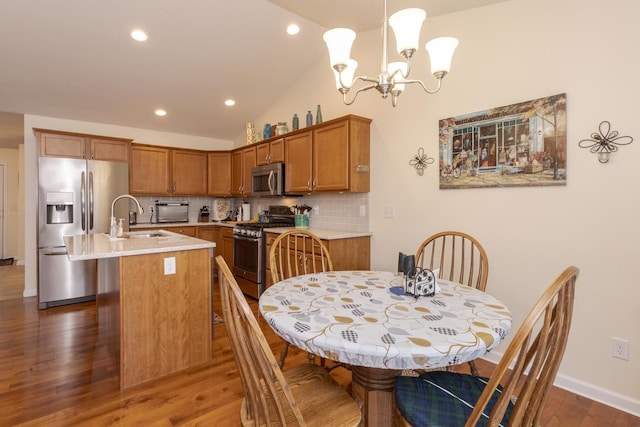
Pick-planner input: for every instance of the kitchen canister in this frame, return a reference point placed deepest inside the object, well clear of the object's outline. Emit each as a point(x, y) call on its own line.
point(301, 221)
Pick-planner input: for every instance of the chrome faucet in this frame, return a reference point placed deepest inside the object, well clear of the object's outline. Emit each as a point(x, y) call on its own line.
point(113, 204)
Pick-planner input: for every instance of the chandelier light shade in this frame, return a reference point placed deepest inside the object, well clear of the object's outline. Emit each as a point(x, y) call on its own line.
point(393, 77)
point(441, 53)
point(406, 25)
point(339, 42)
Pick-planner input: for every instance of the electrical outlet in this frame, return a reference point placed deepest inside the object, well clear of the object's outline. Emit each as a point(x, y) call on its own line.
point(316, 209)
point(620, 348)
point(389, 211)
point(363, 210)
point(170, 265)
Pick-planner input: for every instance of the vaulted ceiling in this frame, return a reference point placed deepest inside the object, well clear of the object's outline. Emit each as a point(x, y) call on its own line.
point(74, 59)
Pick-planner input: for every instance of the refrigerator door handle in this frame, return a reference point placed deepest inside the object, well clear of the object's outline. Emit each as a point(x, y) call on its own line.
point(83, 201)
point(54, 253)
point(90, 200)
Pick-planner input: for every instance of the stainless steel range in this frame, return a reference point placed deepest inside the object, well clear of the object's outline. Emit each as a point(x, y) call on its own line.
point(249, 257)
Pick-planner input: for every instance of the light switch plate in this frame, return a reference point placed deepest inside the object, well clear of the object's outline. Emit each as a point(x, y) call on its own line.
point(170, 265)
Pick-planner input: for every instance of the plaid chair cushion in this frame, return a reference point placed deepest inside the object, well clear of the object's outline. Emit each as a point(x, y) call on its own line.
point(442, 399)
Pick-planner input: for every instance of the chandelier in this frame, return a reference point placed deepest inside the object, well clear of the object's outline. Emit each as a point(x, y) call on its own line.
point(394, 76)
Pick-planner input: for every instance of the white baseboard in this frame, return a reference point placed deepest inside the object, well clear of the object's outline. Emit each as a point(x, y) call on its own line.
point(29, 293)
point(598, 394)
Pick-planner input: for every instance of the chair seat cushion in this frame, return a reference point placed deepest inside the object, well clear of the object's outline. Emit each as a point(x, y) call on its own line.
point(442, 399)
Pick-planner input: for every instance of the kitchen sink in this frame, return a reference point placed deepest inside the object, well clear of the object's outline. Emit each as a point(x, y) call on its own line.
point(144, 234)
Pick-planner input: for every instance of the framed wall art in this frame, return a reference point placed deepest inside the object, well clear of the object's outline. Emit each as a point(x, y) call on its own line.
point(517, 145)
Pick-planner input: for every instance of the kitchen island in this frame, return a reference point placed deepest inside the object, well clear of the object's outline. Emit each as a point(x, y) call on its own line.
point(154, 300)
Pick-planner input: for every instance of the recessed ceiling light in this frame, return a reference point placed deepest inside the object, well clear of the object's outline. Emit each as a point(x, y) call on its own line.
point(229, 102)
point(139, 35)
point(161, 113)
point(293, 29)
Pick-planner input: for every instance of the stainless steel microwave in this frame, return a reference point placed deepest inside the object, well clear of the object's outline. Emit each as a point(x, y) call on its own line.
point(268, 180)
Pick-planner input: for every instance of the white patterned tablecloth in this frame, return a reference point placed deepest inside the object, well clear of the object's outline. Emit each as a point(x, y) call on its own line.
point(355, 318)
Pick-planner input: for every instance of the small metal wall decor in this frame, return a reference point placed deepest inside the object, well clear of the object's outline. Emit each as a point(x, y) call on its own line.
point(605, 142)
point(420, 161)
point(420, 282)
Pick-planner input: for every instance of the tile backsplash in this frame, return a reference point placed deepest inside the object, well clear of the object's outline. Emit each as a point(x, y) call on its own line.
point(343, 212)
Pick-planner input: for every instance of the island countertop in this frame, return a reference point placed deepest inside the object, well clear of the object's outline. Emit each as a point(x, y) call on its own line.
point(96, 246)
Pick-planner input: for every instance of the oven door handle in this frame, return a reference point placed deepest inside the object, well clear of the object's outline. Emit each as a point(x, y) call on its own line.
point(248, 239)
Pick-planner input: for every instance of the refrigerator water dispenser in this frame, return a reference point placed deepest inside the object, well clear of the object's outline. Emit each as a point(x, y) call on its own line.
point(59, 207)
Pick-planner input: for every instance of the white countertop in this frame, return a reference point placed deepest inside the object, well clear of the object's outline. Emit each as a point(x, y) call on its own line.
point(96, 246)
point(134, 227)
point(322, 233)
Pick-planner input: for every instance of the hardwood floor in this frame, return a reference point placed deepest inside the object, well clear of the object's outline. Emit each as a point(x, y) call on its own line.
point(54, 371)
point(11, 281)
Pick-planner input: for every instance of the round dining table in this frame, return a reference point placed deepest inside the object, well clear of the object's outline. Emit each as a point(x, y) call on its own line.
point(364, 319)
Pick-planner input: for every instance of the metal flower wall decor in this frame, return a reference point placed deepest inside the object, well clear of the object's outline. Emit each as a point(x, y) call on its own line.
point(420, 161)
point(605, 142)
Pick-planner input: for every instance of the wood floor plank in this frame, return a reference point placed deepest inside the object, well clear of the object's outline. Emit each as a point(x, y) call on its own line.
point(54, 371)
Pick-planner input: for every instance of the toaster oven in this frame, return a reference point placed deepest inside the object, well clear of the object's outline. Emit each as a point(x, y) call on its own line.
point(171, 211)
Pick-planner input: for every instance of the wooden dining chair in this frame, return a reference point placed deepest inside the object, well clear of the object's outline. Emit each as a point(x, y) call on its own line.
point(460, 258)
point(294, 253)
point(305, 395)
point(513, 397)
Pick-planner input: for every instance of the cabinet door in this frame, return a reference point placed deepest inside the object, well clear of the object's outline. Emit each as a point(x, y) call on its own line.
point(109, 150)
point(226, 237)
point(69, 146)
point(206, 233)
point(219, 174)
point(298, 164)
point(248, 163)
point(331, 157)
point(149, 170)
point(189, 172)
point(276, 153)
point(236, 173)
point(270, 237)
point(262, 153)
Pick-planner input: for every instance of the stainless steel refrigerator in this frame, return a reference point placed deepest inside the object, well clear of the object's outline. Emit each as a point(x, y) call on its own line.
point(74, 197)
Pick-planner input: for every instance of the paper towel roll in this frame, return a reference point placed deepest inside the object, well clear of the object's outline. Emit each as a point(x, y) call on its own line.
point(246, 212)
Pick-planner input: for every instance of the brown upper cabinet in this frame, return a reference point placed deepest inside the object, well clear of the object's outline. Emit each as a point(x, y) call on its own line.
point(219, 173)
point(331, 157)
point(160, 170)
point(242, 161)
point(81, 146)
point(189, 172)
point(270, 152)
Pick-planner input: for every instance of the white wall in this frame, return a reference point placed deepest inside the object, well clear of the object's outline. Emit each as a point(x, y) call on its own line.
point(141, 136)
point(512, 52)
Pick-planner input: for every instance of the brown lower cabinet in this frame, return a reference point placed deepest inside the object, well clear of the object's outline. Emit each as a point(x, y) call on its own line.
point(352, 253)
point(222, 236)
